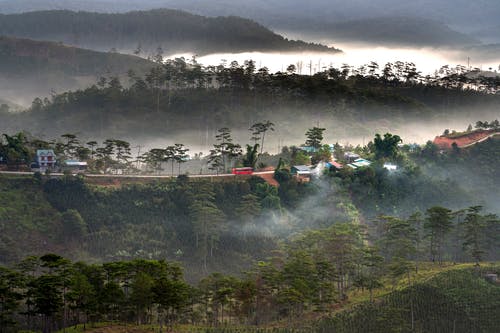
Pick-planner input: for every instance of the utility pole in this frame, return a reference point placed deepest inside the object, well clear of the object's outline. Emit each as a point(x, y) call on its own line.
point(139, 147)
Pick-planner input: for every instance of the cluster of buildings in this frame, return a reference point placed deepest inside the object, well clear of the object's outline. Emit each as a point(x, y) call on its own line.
point(354, 161)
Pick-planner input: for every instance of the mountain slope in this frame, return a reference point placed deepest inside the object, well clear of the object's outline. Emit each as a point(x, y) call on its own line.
point(458, 300)
point(33, 68)
point(174, 31)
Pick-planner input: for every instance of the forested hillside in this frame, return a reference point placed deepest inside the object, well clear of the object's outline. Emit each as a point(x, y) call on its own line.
point(145, 31)
point(22, 57)
point(31, 68)
point(350, 250)
point(182, 96)
point(236, 220)
point(454, 301)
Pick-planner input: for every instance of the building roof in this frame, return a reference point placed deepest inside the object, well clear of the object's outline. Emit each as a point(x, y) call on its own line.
point(361, 162)
point(301, 169)
point(45, 152)
point(350, 154)
point(337, 165)
point(308, 149)
point(75, 163)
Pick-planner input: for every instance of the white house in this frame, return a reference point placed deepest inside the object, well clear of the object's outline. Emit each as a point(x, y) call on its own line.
point(46, 158)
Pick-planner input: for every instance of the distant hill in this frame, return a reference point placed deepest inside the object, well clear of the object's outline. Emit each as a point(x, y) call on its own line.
point(479, 17)
point(34, 68)
point(397, 30)
point(172, 30)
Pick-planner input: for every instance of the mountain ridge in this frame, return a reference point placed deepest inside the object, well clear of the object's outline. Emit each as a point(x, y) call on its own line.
point(173, 30)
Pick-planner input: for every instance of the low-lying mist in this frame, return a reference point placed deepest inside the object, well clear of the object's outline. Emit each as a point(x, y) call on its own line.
point(291, 132)
point(427, 59)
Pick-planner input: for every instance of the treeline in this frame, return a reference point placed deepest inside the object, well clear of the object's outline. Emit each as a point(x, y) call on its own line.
point(179, 96)
point(315, 271)
point(144, 31)
point(18, 151)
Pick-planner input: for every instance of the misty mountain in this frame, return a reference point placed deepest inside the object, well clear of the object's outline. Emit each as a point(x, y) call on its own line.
point(461, 15)
point(395, 30)
point(34, 68)
point(174, 31)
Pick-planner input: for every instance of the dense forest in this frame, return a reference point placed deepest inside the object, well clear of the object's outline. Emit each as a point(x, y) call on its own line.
point(327, 278)
point(182, 96)
point(232, 221)
point(142, 32)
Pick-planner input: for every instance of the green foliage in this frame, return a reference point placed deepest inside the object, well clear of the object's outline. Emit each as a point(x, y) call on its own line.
point(314, 137)
point(479, 232)
point(74, 227)
point(387, 147)
point(437, 224)
point(14, 151)
point(250, 158)
point(10, 297)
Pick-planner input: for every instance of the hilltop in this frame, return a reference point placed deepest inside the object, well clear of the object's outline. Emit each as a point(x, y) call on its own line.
point(466, 139)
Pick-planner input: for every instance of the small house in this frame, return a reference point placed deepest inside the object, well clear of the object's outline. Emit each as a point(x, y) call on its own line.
point(301, 172)
point(350, 156)
point(46, 159)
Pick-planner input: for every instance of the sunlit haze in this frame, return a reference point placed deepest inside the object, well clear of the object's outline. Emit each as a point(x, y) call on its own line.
point(427, 60)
